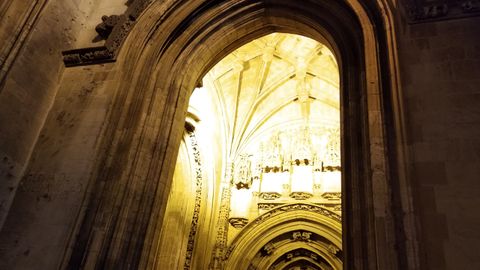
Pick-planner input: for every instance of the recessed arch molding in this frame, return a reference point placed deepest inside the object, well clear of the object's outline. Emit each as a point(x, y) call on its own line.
point(166, 53)
point(287, 232)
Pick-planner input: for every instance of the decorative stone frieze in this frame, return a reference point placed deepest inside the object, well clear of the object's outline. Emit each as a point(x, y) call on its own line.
point(426, 11)
point(301, 195)
point(293, 207)
point(270, 195)
point(222, 221)
point(88, 56)
point(198, 201)
point(332, 195)
point(267, 206)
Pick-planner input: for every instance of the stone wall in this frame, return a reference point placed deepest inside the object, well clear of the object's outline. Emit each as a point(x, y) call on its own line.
point(63, 112)
point(50, 196)
point(50, 117)
point(35, 33)
point(440, 70)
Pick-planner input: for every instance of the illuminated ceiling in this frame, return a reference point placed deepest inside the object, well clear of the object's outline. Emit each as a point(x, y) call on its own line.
point(269, 113)
point(277, 82)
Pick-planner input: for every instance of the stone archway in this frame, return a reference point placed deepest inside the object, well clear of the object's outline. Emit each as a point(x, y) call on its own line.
point(277, 233)
point(172, 45)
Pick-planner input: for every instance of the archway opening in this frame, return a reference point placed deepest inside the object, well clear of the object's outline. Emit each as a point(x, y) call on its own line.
point(158, 70)
point(263, 131)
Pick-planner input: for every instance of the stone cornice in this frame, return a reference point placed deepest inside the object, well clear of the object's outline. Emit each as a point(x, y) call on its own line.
point(114, 29)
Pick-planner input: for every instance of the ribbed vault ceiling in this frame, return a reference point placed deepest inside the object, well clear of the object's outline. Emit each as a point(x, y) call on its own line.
point(275, 82)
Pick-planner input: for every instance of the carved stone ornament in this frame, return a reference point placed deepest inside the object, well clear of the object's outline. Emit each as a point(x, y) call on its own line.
point(268, 249)
point(337, 207)
point(332, 195)
point(268, 206)
point(270, 195)
point(87, 56)
point(301, 253)
point(220, 248)
point(426, 11)
point(301, 236)
point(114, 29)
point(241, 185)
point(238, 222)
point(333, 249)
point(301, 195)
point(198, 201)
point(294, 207)
point(106, 26)
point(288, 208)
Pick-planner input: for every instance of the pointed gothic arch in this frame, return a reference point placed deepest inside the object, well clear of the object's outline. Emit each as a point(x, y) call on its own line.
point(316, 225)
point(165, 55)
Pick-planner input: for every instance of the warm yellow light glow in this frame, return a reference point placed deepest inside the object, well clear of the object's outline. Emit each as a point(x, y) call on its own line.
point(332, 182)
point(271, 109)
point(240, 203)
point(302, 179)
point(273, 182)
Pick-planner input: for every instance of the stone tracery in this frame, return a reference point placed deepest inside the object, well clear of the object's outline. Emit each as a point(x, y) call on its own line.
point(277, 155)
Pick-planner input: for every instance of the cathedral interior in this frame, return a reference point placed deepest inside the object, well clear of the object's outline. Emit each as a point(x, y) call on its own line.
point(240, 134)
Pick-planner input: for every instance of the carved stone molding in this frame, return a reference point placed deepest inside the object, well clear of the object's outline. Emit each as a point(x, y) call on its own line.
point(104, 29)
point(268, 249)
point(331, 206)
point(270, 195)
point(283, 209)
point(222, 225)
point(198, 201)
point(238, 223)
point(426, 11)
point(301, 236)
point(301, 253)
point(333, 249)
point(293, 207)
point(268, 206)
point(114, 29)
point(87, 56)
point(301, 195)
point(332, 195)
